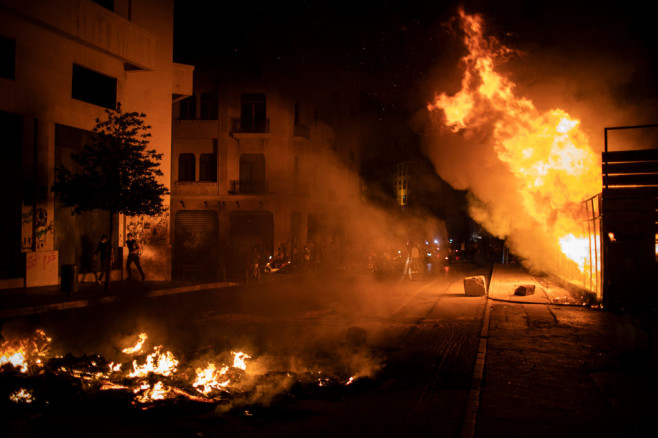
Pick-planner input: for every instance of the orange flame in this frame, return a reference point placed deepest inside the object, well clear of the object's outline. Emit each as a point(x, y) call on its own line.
point(547, 154)
point(239, 360)
point(153, 377)
point(22, 396)
point(24, 353)
point(163, 364)
point(208, 379)
point(138, 346)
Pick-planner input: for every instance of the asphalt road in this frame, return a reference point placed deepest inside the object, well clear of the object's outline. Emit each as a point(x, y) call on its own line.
point(409, 347)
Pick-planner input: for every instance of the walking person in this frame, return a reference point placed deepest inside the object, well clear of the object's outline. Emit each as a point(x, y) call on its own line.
point(134, 252)
point(106, 254)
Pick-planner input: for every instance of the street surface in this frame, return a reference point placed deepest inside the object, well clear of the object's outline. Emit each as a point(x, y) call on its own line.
point(565, 370)
point(408, 345)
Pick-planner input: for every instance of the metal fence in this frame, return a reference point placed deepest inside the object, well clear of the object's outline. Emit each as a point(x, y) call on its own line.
point(593, 275)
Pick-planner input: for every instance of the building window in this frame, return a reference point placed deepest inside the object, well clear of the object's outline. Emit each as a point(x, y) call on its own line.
point(253, 113)
point(208, 165)
point(186, 167)
point(209, 106)
point(7, 58)
point(107, 4)
point(187, 108)
point(93, 87)
point(252, 173)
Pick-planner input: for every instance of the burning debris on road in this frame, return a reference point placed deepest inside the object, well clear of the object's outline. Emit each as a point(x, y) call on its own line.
point(31, 377)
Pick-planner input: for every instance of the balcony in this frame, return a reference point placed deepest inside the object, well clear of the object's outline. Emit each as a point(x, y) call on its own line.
point(247, 187)
point(250, 126)
point(183, 81)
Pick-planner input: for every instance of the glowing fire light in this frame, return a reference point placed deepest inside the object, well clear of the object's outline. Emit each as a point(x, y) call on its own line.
point(208, 379)
point(22, 396)
point(163, 364)
point(239, 360)
point(150, 379)
point(25, 352)
point(137, 348)
point(547, 154)
point(147, 393)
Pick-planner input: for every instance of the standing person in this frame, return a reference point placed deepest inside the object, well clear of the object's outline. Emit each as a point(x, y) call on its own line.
point(415, 261)
point(307, 257)
point(255, 263)
point(134, 252)
point(106, 253)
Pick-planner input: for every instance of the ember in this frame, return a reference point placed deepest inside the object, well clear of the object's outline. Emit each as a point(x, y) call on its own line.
point(22, 396)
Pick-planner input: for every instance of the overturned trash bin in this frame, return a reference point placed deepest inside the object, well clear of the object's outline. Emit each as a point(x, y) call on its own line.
point(69, 279)
point(475, 286)
point(525, 289)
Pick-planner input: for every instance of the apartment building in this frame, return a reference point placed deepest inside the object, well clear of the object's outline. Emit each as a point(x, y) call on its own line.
point(62, 64)
point(255, 167)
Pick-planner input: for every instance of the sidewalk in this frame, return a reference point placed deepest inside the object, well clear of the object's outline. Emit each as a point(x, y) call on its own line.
point(549, 370)
point(27, 301)
point(505, 280)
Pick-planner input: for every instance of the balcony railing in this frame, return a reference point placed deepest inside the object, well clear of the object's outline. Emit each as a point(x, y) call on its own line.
point(247, 187)
point(250, 126)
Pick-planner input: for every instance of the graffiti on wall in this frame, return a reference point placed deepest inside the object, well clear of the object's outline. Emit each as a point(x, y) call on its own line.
point(149, 229)
point(40, 260)
point(36, 229)
point(41, 268)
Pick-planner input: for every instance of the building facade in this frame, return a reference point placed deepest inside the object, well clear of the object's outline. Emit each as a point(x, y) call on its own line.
point(63, 64)
point(255, 169)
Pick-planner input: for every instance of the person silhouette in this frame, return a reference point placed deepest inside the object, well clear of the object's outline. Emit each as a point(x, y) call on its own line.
point(134, 253)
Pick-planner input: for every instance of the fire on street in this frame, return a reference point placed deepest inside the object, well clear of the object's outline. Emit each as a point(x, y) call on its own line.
point(351, 355)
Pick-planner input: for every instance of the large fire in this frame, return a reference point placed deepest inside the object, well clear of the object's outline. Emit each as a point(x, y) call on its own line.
point(548, 155)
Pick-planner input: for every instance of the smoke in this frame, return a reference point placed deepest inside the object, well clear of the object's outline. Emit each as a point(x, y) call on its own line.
point(468, 161)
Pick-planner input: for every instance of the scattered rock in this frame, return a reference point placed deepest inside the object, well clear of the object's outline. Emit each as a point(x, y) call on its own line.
point(475, 286)
point(525, 289)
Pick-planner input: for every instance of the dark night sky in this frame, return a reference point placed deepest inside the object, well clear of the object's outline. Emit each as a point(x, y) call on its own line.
point(391, 46)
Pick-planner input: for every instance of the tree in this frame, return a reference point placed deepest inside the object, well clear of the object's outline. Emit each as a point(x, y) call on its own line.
point(117, 173)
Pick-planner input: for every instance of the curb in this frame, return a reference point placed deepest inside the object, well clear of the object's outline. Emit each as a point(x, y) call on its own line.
point(473, 403)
